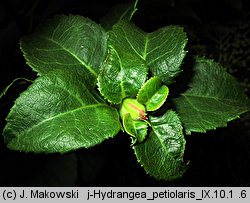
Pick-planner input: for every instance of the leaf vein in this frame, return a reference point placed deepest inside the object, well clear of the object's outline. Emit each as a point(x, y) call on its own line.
point(75, 56)
point(65, 113)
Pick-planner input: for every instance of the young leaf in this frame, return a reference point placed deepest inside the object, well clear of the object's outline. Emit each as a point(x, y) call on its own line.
point(161, 154)
point(135, 128)
point(158, 99)
point(59, 112)
point(213, 99)
point(66, 42)
point(121, 11)
point(153, 94)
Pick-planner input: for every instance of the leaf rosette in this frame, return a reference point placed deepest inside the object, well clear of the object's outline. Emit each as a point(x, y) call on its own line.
point(63, 111)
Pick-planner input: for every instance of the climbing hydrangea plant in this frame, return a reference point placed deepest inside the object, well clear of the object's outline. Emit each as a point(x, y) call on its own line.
point(93, 83)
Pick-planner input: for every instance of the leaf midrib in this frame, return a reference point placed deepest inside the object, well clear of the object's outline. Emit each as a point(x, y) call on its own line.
point(62, 114)
point(219, 99)
point(144, 55)
point(243, 110)
point(123, 94)
point(164, 147)
point(72, 54)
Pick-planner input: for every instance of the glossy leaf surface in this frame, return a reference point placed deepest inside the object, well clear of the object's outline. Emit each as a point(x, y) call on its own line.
point(60, 112)
point(161, 154)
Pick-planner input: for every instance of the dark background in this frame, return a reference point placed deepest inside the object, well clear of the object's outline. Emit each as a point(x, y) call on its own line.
point(217, 29)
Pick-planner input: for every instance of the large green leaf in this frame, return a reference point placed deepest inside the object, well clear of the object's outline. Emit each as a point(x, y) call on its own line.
point(66, 42)
point(130, 52)
point(161, 154)
point(164, 52)
point(58, 113)
point(213, 99)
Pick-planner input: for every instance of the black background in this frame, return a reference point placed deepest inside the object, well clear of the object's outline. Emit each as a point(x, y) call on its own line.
point(217, 158)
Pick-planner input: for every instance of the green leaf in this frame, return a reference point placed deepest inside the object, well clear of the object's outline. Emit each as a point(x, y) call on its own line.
point(121, 11)
point(164, 52)
point(123, 71)
point(153, 94)
point(130, 52)
point(161, 154)
point(66, 42)
point(135, 128)
point(213, 99)
point(60, 112)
